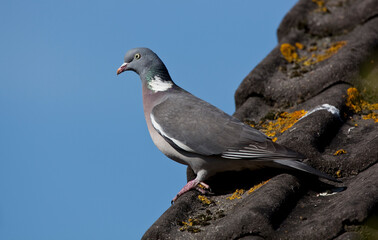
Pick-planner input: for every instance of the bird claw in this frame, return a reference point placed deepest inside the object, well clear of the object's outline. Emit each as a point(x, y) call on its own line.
point(201, 190)
point(203, 185)
point(204, 191)
point(199, 186)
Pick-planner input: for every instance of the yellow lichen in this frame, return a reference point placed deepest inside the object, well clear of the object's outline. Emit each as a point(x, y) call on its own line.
point(299, 45)
point(204, 199)
point(289, 52)
point(257, 186)
point(302, 57)
point(188, 223)
point(309, 61)
point(338, 173)
point(321, 5)
point(373, 116)
point(282, 123)
point(194, 223)
point(274, 139)
point(357, 104)
point(335, 47)
point(237, 194)
point(339, 152)
point(188, 226)
point(313, 48)
point(354, 100)
point(329, 52)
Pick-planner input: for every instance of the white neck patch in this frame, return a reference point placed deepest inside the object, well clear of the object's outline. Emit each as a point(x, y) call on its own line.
point(158, 85)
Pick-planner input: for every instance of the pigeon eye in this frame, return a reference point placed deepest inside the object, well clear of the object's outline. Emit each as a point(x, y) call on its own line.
point(137, 56)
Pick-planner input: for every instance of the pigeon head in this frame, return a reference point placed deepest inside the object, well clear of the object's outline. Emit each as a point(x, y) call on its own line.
point(144, 62)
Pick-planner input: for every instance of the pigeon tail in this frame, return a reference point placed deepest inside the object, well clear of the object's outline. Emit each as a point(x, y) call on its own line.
point(305, 168)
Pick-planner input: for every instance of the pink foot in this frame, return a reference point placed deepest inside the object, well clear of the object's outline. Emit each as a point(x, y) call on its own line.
point(193, 184)
point(205, 186)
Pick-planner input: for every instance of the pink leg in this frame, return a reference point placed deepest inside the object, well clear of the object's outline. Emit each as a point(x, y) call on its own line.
point(193, 184)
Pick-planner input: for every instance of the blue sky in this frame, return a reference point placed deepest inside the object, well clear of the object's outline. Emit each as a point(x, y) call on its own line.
point(76, 160)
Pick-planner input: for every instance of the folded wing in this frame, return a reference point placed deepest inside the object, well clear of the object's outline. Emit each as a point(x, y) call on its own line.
point(193, 125)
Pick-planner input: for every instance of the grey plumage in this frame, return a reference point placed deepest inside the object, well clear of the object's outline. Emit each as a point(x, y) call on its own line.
point(196, 133)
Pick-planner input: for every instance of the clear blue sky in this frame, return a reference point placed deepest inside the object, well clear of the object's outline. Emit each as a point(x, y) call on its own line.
point(76, 160)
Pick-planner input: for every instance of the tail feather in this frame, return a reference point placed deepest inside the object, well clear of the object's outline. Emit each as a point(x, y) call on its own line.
point(305, 168)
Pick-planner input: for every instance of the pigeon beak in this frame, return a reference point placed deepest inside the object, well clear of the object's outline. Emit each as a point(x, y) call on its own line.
point(122, 68)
